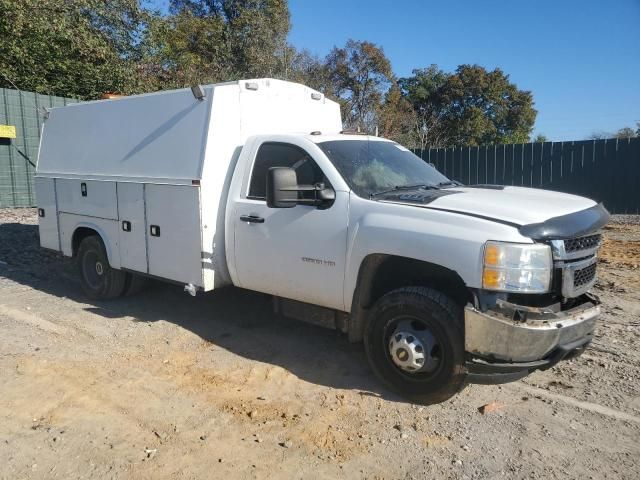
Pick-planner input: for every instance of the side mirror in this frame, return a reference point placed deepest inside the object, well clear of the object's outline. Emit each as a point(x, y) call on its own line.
point(283, 188)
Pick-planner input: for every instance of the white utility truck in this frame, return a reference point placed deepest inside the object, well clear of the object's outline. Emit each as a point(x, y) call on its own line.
point(251, 183)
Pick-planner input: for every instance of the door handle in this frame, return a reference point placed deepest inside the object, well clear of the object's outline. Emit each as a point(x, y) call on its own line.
point(251, 219)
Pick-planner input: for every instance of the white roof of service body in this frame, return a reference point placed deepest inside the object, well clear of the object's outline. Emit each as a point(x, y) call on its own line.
point(170, 135)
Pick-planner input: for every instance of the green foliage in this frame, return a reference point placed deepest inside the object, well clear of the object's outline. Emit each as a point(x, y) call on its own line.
point(359, 74)
point(397, 119)
point(423, 92)
point(308, 69)
point(84, 48)
point(472, 106)
point(207, 41)
point(73, 48)
point(540, 138)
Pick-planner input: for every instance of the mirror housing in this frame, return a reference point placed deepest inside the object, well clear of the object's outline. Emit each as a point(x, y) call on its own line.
point(283, 188)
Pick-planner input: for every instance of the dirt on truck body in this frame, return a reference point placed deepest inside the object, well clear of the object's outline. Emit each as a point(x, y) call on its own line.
point(162, 385)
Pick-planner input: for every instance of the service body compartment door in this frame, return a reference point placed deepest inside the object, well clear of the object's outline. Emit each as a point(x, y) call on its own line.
point(47, 213)
point(173, 232)
point(93, 198)
point(133, 241)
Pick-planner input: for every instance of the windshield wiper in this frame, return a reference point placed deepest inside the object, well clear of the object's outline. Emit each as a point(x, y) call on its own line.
point(450, 183)
point(405, 187)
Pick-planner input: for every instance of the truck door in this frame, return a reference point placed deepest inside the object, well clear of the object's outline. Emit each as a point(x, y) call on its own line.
point(297, 253)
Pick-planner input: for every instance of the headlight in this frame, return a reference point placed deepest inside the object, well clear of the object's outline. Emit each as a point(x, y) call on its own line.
point(517, 267)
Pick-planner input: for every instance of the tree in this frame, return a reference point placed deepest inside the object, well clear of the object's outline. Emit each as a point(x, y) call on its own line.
point(257, 36)
point(185, 48)
point(79, 48)
point(359, 75)
point(397, 118)
point(422, 91)
point(206, 41)
point(308, 69)
point(540, 138)
point(486, 108)
point(638, 129)
point(469, 107)
point(626, 132)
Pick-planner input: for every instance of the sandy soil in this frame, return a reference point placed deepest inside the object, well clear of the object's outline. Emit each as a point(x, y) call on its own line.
point(162, 385)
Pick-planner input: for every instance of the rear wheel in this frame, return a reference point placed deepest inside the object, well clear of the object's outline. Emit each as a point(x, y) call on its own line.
point(99, 281)
point(415, 344)
point(135, 283)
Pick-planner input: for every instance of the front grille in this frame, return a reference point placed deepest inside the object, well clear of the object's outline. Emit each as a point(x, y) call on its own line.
point(576, 260)
point(584, 276)
point(581, 243)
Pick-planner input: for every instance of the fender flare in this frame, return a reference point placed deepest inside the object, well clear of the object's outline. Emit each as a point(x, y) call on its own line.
point(114, 259)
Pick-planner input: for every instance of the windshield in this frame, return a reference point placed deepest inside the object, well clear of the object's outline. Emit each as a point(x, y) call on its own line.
point(374, 166)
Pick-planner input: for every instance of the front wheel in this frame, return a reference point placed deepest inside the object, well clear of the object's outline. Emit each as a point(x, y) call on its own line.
point(99, 281)
point(415, 344)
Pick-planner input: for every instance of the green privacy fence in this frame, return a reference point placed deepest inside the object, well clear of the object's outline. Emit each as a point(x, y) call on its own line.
point(25, 111)
point(607, 170)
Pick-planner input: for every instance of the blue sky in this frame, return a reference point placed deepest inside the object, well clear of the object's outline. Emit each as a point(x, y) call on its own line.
point(580, 58)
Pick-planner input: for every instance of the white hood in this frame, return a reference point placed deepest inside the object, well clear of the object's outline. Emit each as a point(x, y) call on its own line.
point(517, 205)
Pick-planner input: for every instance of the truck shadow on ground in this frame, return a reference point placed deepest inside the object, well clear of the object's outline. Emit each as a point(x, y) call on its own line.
point(237, 320)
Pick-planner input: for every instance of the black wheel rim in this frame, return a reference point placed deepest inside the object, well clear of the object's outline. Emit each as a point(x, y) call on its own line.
point(93, 270)
point(407, 339)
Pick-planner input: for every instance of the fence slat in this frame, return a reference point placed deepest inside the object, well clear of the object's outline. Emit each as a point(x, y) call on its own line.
point(500, 163)
point(508, 166)
point(440, 160)
point(473, 168)
point(457, 163)
point(482, 164)
point(536, 166)
point(609, 172)
point(624, 172)
point(465, 161)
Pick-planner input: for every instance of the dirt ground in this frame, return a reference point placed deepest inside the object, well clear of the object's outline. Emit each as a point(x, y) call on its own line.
point(163, 385)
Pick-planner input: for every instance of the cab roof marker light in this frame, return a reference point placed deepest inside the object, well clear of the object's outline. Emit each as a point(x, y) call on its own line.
point(251, 86)
point(316, 96)
point(198, 92)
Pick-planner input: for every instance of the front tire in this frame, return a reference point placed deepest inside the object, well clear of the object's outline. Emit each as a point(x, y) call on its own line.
point(415, 344)
point(99, 281)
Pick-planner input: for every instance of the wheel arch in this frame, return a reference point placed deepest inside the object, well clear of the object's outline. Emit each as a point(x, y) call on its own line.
point(86, 229)
point(381, 273)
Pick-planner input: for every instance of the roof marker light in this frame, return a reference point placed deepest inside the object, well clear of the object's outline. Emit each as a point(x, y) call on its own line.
point(251, 86)
point(316, 96)
point(198, 92)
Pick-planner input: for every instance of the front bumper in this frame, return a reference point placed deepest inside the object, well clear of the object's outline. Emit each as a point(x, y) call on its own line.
point(509, 342)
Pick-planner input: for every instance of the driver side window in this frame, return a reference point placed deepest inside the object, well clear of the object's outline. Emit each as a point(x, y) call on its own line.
point(283, 155)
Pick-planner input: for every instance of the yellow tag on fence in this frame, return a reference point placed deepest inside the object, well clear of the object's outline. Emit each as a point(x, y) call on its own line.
point(7, 131)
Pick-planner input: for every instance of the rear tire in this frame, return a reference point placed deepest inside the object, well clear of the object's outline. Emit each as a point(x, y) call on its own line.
point(135, 284)
point(99, 281)
point(415, 344)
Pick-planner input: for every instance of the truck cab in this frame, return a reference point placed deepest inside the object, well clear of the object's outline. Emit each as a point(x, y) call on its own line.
point(252, 184)
point(361, 225)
